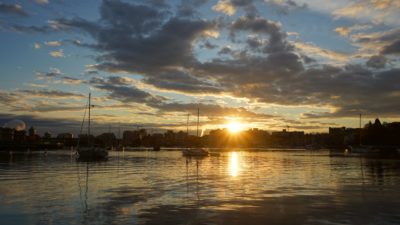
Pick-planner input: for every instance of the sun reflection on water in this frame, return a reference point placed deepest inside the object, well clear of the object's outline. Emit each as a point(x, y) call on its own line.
point(233, 164)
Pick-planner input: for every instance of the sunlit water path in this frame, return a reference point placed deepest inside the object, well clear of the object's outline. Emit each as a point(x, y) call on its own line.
point(237, 187)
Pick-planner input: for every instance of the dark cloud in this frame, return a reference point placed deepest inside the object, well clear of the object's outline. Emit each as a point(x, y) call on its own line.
point(15, 9)
point(393, 48)
point(188, 8)
point(258, 25)
point(254, 43)
point(53, 73)
point(182, 81)
point(50, 93)
point(116, 14)
point(130, 51)
point(158, 44)
point(208, 45)
point(377, 61)
point(225, 50)
point(71, 80)
point(6, 98)
point(122, 90)
point(29, 29)
point(247, 5)
point(389, 40)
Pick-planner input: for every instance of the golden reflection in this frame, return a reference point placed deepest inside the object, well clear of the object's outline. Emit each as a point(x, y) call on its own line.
point(233, 164)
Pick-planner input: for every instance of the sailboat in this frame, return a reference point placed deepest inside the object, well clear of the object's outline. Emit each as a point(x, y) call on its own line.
point(195, 152)
point(90, 152)
point(363, 149)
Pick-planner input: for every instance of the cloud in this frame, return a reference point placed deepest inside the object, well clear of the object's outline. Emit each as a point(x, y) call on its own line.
point(393, 48)
point(7, 98)
point(212, 111)
point(345, 31)
point(50, 94)
point(285, 6)
point(258, 25)
point(377, 61)
point(15, 9)
point(225, 6)
point(378, 12)
point(229, 7)
point(121, 89)
point(378, 42)
point(188, 8)
point(208, 45)
point(71, 80)
point(42, 2)
point(159, 46)
point(317, 52)
point(54, 72)
point(57, 54)
point(53, 43)
point(181, 81)
point(29, 29)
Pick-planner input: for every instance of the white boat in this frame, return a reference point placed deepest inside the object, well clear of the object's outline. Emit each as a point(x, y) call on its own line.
point(90, 153)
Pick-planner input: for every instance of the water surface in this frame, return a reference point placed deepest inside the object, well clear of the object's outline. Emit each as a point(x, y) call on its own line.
point(238, 187)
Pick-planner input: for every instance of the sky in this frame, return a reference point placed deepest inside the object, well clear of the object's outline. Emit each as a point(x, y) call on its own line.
point(268, 64)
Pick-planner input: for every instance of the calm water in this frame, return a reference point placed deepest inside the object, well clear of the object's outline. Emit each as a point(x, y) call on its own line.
point(235, 188)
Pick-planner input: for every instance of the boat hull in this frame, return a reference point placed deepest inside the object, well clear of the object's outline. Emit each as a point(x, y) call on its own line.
point(92, 154)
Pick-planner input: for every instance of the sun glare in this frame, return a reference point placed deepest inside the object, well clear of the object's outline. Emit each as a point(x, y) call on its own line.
point(234, 127)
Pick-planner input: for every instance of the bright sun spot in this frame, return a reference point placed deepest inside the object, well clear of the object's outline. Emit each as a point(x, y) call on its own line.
point(234, 127)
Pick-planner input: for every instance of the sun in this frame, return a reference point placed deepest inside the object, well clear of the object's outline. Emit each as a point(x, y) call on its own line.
point(234, 127)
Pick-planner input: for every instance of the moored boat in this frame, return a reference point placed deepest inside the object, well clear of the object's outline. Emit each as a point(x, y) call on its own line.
point(90, 153)
point(195, 152)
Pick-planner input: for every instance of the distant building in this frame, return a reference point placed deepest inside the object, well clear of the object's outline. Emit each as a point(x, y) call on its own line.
point(32, 136)
point(288, 138)
point(19, 135)
point(133, 138)
point(6, 134)
point(47, 135)
point(106, 139)
point(337, 131)
point(32, 131)
point(65, 136)
point(336, 136)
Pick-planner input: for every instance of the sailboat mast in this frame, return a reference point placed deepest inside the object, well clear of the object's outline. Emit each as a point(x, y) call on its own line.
point(89, 116)
point(360, 131)
point(198, 120)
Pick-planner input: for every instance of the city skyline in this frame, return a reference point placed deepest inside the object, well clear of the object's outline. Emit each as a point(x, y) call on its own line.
point(306, 65)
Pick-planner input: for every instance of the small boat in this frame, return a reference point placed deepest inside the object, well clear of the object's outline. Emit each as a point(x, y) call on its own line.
point(363, 149)
point(90, 153)
point(374, 150)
